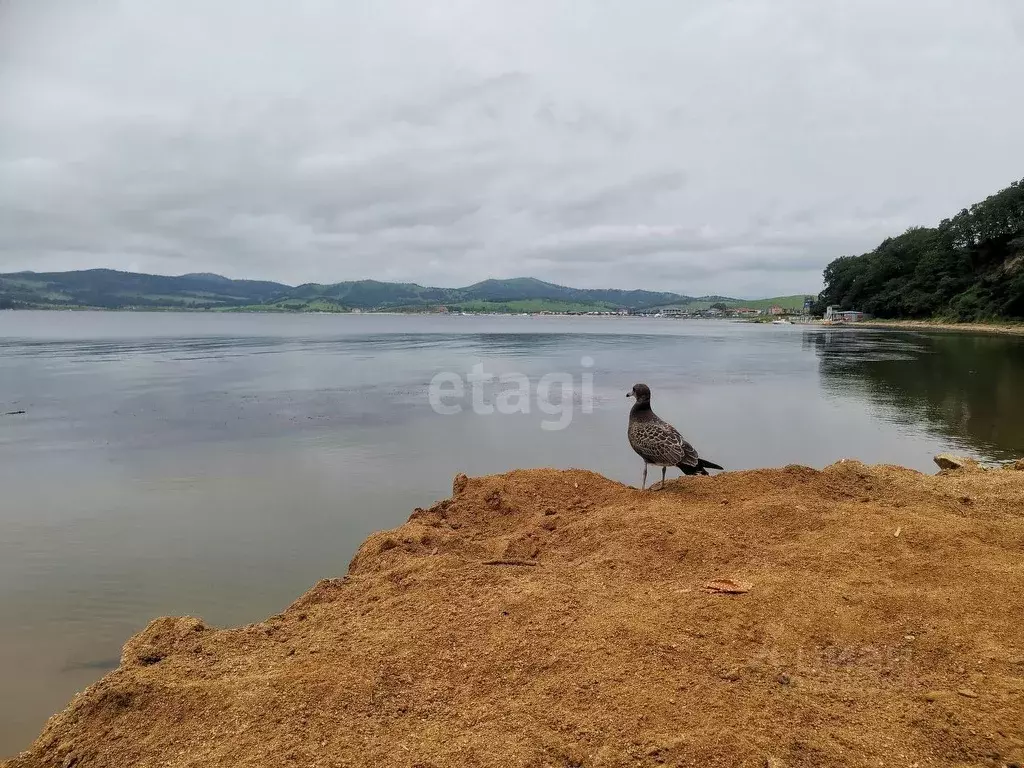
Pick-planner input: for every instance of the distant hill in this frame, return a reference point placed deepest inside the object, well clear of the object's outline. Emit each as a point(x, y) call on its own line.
point(792, 303)
point(530, 288)
point(111, 289)
point(373, 294)
point(970, 267)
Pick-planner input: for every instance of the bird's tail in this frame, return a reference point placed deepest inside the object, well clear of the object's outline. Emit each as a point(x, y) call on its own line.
point(701, 468)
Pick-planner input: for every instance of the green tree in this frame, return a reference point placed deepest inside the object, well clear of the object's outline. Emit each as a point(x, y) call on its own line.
point(970, 267)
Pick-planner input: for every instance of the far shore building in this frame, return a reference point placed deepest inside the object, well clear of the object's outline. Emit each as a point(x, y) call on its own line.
point(836, 315)
point(775, 309)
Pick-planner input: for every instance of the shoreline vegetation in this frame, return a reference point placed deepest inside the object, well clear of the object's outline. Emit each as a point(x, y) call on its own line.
point(968, 269)
point(819, 617)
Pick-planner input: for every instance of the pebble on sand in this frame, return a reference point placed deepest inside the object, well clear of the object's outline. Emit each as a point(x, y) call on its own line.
point(949, 461)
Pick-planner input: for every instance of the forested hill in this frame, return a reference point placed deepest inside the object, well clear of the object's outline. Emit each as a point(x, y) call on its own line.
point(970, 267)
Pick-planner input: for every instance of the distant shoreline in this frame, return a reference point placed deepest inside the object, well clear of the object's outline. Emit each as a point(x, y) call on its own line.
point(1012, 329)
point(1004, 328)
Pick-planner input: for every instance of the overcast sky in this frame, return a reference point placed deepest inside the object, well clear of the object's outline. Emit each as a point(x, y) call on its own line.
point(709, 146)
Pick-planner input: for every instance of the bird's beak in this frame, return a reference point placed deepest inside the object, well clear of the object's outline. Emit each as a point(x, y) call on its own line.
point(629, 394)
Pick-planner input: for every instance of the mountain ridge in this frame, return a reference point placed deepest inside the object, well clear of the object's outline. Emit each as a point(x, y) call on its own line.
point(115, 289)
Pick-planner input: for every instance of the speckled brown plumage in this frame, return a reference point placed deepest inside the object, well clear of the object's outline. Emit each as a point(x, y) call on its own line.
point(658, 442)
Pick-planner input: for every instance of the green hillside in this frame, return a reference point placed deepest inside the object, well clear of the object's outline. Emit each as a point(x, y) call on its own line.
point(373, 294)
point(110, 289)
point(533, 305)
point(793, 303)
point(530, 288)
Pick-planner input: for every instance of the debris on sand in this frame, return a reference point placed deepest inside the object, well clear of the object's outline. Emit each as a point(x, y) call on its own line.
point(727, 586)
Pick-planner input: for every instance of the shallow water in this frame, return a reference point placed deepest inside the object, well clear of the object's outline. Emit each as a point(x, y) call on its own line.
point(218, 465)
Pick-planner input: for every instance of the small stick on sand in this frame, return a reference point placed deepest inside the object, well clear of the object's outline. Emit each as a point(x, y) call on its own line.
point(510, 562)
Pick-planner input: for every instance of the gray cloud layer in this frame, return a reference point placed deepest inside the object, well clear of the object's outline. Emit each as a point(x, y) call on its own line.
point(728, 147)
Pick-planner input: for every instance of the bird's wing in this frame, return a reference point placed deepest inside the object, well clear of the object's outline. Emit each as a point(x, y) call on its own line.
point(689, 453)
point(690, 457)
point(668, 446)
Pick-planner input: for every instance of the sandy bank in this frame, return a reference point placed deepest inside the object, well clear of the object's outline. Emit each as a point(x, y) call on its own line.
point(547, 618)
point(1016, 329)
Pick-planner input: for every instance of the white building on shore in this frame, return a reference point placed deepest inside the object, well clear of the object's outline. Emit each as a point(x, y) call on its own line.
point(836, 315)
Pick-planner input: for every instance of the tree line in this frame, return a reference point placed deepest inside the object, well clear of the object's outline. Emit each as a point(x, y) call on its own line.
point(970, 267)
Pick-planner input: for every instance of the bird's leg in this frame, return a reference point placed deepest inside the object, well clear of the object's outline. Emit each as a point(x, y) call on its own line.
point(643, 485)
point(662, 485)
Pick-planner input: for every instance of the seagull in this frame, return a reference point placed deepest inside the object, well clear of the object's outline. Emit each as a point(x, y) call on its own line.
point(658, 442)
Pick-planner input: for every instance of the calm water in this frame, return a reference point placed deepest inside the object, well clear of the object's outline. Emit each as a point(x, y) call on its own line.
point(218, 465)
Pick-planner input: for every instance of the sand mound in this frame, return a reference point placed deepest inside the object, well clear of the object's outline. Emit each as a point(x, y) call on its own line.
point(547, 618)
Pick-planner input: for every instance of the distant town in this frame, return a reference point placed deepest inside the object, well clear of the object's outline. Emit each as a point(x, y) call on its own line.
point(773, 313)
point(718, 311)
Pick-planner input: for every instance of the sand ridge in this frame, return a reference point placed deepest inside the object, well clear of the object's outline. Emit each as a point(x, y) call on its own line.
point(558, 618)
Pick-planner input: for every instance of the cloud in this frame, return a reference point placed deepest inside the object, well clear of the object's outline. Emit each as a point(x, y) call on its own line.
point(730, 148)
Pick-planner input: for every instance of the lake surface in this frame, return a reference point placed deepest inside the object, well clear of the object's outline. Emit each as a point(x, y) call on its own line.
point(219, 465)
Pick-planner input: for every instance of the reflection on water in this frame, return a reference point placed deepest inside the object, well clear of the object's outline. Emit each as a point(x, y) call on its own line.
point(218, 465)
point(967, 388)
